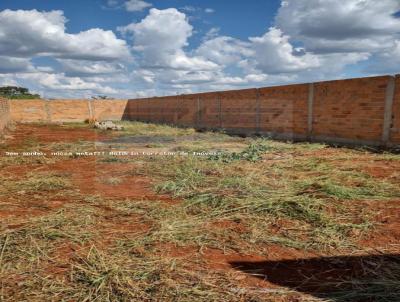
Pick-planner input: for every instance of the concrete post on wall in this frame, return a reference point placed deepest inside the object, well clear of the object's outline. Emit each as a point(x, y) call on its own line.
point(176, 112)
point(219, 101)
point(90, 109)
point(258, 114)
point(48, 110)
point(198, 112)
point(310, 110)
point(388, 116)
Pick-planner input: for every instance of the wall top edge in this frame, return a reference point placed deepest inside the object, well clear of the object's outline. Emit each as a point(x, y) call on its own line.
point(72, 100)
point(209, 92)
point(272, 86)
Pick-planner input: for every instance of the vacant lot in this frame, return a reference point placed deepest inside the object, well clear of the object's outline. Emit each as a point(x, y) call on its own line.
point(193, 216)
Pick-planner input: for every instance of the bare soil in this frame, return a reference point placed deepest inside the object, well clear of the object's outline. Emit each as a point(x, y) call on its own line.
point(278, 267)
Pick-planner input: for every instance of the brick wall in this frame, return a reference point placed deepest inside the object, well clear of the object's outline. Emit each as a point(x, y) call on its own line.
point(4, 114)
point(238, 109)
point(28, 111)
point(283, 110)
point(350, 109)
point(187, 111)
point(343, 111)
point(66, 110)
point(108, 109)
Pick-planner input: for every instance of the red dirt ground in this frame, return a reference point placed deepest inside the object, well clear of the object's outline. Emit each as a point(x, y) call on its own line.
point(88, 176)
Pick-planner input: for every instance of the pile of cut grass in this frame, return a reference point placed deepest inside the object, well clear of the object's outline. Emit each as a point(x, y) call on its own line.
point(67, 255)
point(244, 187)
point(138, 128)
point(44, 182)
point(36, 182)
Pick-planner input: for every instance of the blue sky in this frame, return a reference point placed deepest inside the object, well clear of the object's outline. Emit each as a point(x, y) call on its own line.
point(134, 48)
point(85, 14)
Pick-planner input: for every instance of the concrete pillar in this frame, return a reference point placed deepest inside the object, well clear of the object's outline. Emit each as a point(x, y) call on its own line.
point(387, 120)
point(310, 110)
point(258, 114)
point(176, 109)
point(198, 116)
point(90, 108)
point(47, 110)
point(219, 109)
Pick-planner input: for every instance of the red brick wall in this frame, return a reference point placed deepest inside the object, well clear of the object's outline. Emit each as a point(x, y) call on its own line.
point(350, 109)
point(342, 111)
point(187, 110)
point(4, 114)
point(283, 110)
point(167, 110)
point(238, 109)
point(108, 109)
point(28, 111)
point(209, 116)
point(66, 110)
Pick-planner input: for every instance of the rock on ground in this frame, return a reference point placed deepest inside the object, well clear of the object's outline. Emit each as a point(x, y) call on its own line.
point(107, 125)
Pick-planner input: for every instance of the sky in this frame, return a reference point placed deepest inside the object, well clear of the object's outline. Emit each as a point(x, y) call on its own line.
point(141, 48)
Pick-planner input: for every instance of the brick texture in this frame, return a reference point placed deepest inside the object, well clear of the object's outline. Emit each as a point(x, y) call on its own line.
point(66, 110)
point(209, 110)
point(342, 111)
point(350, 109)
point(238, 109)
point(28, 110)
point(108, 109)
point(187, 114)
point(283, 110)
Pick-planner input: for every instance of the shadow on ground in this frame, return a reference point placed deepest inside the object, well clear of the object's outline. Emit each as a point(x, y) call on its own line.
point(344, 278)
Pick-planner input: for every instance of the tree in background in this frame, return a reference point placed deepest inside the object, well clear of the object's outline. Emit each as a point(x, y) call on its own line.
point(14, 92)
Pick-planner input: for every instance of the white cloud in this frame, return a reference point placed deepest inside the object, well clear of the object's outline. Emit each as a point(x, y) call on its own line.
point(59, 85)
point(160, 39)
point(196, 9)
point(12, 65)
point(386, 62)
point(310, 40)
point(275, 54)
point(271, 53)
point(211, 34)
point(95, 53)
point(30, 33)
point(90, 68)
point(161, 31)
point(340, 26)
point(112, 3)
point(224, 50)
point(189, 9)
point(7, 81)
point(136, 5)
point(271, 59)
